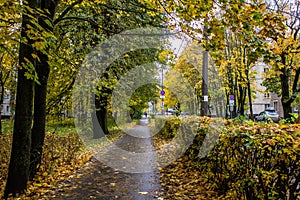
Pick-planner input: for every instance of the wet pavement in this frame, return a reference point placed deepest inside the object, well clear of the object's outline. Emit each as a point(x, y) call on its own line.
point(129, 176)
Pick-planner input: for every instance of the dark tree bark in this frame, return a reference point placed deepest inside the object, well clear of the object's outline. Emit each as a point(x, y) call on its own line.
point(100, 125)
point(39, 119)
point(284, 79)
point(27, 143)
point(18, 171)
point(288, 96)
point(97, 130)
point(250, 97)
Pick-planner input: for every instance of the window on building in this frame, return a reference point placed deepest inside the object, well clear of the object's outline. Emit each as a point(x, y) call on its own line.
point(7, 108)
point(267, 106)
point(6, 97)
point(276, 105)
point(267, 95)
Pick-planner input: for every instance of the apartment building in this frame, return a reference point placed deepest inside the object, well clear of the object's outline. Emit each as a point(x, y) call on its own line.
point(6, 106)
point(263, 98)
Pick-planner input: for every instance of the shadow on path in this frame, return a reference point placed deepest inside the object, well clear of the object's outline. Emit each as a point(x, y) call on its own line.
point(98, 181)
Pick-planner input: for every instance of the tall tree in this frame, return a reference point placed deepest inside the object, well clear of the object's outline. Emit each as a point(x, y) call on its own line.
point(78, 33)
point(283, 55)
point(121, 16)
point(18, 172)
point(42, 67)
point(253, 22)
point(34, 67)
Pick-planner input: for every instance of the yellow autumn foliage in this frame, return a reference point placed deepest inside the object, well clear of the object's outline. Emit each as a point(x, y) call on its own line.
point(248, 160)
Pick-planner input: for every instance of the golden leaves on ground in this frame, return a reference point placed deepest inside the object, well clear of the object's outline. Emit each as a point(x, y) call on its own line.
point(5, 145)
point(61, 156)
point(181, 180)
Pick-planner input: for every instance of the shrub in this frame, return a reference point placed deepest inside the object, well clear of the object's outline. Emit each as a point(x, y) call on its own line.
point(250, 161)
point(255, 162)
point(167, 126)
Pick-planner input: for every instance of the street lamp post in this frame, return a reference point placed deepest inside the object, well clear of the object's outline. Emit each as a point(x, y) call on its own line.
point(162, 90)
point(204, 106)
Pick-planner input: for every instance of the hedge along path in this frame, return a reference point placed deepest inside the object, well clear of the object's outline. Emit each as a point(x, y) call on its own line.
point(98, 181)
point(250, 161)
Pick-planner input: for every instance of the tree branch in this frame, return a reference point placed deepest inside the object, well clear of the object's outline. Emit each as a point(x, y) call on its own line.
point(295, 83)
point(274, 10)
point(65, 12)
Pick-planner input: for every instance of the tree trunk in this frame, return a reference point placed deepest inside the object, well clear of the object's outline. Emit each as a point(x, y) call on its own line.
point(39, 119)
point(99, 120)
point(287, 109)
point(241, 100)
point(18, 172)
point(102, 118)
point(250, 98)
point(97, 133)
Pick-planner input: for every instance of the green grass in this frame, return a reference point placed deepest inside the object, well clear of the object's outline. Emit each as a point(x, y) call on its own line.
point(62, 127)
point(67, 126)
point(7, 126)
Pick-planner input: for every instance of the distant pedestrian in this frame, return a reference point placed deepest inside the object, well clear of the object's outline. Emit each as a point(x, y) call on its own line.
point(145, 113)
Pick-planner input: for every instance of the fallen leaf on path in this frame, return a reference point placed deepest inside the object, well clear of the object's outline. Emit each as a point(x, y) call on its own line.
point(112, 184)
point(143, 193)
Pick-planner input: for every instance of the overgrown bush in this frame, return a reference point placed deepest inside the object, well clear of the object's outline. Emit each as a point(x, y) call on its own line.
point(167, 126)
point(244, 161)
point(255, 162)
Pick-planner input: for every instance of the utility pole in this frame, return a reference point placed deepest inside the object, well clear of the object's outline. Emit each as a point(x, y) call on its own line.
point(204, 105)
point(162, 92)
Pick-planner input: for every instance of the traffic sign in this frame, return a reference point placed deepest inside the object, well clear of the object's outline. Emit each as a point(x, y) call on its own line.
point(162, 92)
point(231, 97)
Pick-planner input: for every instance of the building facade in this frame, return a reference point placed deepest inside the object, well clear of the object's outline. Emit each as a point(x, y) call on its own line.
point(6, 106)
point(263, 98)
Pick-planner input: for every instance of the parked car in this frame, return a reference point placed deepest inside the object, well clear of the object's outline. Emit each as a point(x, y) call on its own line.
point(269, 113)
point(184, 114)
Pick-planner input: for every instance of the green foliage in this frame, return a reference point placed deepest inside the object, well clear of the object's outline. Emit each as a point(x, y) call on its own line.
point(61, 127)
point(293, 118)
point(7, 126)
point(250, 161)
point(169, 126)
point(203, 126)
point(255, 162)
point(241, 119)
point(80, 30)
